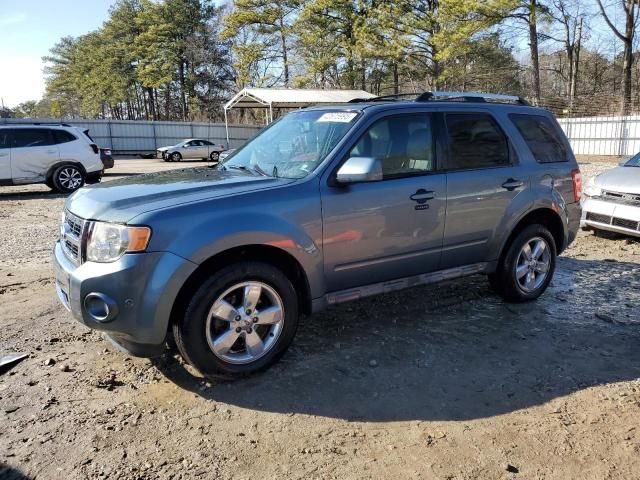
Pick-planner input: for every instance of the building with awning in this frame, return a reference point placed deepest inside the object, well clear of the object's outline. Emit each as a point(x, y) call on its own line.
point(278, 98)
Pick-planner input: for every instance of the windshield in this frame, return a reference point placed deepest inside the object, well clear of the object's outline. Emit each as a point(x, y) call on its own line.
point(633, 161)
point(295, 145)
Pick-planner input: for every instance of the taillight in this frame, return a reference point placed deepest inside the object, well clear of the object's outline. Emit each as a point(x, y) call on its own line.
point(95, 148)
point(576, 177)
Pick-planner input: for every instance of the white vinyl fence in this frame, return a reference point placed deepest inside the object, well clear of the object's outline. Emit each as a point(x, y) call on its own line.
point(603, 135)
point(143, 137)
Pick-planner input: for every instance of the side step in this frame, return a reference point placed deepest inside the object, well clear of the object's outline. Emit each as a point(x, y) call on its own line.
point(350, 294)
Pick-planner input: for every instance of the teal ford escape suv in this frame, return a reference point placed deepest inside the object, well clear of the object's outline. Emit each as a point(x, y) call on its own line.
point(326, 205)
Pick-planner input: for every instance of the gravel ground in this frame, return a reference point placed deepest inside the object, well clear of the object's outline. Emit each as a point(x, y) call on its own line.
point(442, 381)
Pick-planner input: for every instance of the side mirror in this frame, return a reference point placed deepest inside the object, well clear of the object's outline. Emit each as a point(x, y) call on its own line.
point(360, 169)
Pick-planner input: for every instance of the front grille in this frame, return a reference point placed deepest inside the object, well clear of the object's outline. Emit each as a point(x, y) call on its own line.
point(624, 223)
point(619, 197)
point(71, 235)
point(597, 217)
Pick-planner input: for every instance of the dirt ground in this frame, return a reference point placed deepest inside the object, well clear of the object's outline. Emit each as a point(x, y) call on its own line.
point(442, 381)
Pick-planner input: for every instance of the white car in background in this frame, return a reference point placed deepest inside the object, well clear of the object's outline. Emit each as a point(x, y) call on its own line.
point(191, 148)
point(612, 199)
point(59, 155)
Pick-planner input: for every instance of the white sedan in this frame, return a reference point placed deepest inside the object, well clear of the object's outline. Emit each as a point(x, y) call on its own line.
point(191, 148)
point(612, 199)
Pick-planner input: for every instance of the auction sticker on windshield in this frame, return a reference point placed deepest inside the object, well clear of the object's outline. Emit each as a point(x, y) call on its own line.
point(344, 117)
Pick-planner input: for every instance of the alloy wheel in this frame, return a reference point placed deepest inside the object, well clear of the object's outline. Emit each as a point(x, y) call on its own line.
point(244, 322)
point(533, 264)
point(70, 178)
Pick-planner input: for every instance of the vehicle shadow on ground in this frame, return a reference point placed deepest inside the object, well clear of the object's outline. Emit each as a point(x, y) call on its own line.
point(32, 195)
point(9, 473)
point(450, 352)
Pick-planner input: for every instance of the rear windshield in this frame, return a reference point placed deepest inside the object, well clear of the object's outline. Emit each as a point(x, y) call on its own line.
point(542, 137)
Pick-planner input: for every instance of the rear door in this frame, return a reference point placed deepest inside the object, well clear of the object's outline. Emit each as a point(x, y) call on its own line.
point(5, 156)
point(33, 152)
point(483, 178)
point(196, 149)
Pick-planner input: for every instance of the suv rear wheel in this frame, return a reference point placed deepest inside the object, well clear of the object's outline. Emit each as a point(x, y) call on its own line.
point(241, 320)
point(68, 178)
point(527, 267)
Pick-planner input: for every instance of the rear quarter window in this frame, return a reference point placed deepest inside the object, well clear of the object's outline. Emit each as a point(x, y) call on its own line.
point(62, 136)
point(542, 138)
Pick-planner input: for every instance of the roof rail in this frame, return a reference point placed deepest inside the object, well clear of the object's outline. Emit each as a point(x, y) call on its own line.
point(57, 124)
point(470, 97)
point(384, 98)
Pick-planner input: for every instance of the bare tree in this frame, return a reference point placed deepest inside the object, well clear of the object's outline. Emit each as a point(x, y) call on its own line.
point(629, 7)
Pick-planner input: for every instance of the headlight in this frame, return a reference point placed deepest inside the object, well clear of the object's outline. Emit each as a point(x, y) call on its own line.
point(107, 242)
point(591, 189)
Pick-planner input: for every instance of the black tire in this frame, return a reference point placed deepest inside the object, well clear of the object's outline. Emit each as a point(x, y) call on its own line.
point(190, 330)
point(214, 156)
point(175, 157)
point(505, 282)
point(68, 178)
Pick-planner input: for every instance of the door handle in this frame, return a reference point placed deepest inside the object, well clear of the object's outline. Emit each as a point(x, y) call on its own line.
point(51, 151)
point(512, 184)
point(422, 196)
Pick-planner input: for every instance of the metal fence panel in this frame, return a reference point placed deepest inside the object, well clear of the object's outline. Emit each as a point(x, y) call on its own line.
point(133, 136)
point(603, 135)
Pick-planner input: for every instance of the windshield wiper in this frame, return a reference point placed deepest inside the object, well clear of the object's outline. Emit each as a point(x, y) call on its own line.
point(256, 168)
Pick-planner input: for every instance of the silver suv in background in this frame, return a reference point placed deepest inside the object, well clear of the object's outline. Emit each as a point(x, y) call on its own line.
point(61, 156)
point(326, 205)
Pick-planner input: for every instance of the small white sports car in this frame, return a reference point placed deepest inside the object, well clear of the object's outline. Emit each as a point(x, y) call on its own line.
point(191, 148)
point(611, 200)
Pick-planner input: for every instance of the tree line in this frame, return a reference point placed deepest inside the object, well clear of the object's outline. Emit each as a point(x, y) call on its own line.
point(182, 59)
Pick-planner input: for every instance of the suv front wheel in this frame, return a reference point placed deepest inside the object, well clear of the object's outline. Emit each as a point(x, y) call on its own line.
point(527, 267)
point(241, 320)
point(67, 178)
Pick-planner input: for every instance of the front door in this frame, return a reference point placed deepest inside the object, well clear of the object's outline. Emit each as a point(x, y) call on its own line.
point(483, 178)
point(33, 153)
point(379, 231)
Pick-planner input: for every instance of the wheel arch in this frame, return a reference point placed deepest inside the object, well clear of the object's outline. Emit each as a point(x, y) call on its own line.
point(55, 166)
point(274, 256)
point(543, 216)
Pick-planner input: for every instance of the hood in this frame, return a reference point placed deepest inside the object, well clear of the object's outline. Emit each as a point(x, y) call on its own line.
point(620, 179)
point(163, 149)
point(121, 200)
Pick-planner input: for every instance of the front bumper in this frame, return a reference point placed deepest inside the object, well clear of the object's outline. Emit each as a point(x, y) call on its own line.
point(614, 217)
point(138, 289)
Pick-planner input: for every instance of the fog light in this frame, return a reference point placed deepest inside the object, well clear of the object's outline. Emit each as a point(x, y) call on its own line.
point(100, 307)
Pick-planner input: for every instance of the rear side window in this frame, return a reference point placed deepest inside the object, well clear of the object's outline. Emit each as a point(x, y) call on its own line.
point(4, 139)
point(31, 137)
point(475, 141)
point(542, 137)
point(62, 136)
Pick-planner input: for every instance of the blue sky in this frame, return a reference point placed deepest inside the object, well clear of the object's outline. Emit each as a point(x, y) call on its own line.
point(28, 29)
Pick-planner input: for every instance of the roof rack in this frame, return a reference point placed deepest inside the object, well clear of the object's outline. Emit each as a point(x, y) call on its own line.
point(470, 97)
point(447, 96)
point(384, 98)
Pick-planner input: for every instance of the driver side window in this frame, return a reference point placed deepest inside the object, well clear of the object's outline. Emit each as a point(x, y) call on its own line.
point(403, 143)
